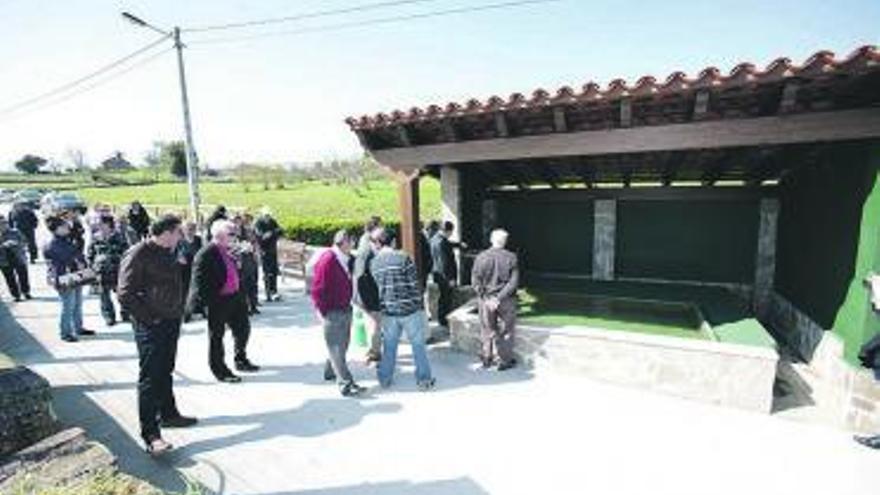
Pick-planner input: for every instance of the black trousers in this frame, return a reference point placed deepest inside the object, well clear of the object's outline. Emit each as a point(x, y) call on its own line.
point(31, 238)
point(231, 311)
point(157, 354)
point(444, 305)
point(16, 276)
point(270, 272)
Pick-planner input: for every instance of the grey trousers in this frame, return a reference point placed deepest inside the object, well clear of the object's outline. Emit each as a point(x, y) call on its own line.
point(497, 329)
point(337, 335)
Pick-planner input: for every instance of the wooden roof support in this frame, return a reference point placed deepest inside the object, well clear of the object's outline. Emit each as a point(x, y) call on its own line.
point(408, 196)
point(625, 112)
point(761, 131)
point(559, 122)
point(501, 125)
point(449, 130)
point(788, 99)
point(403, 135)
point(701, 105)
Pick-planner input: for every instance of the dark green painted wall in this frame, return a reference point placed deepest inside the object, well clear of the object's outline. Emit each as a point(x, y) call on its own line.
point(713, 241)
point(550, 236)
point(828, 232)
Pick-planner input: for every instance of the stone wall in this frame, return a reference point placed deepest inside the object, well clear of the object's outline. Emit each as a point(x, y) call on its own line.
point(26, 414)
point(713, 372)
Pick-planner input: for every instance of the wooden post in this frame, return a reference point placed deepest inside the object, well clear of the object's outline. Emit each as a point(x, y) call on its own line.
point(408, 195)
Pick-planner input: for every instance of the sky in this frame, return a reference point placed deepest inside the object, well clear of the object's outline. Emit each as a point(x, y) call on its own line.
point(285, 98)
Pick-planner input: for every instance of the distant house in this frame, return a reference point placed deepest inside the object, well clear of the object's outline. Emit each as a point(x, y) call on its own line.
point(116, 162)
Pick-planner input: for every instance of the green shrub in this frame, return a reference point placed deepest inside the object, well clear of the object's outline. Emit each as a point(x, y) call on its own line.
point(319, 232)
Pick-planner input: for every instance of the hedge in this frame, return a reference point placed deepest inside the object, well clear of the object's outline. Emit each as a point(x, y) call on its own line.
point(319, 232)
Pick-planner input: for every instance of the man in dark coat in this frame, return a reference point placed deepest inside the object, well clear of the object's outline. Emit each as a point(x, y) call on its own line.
point(189, 245)
point(104, 256)
point(217, 286)
point(149, 288)
point(139, 219)
point(268, 232)
point(495, 277)
point(23, 219)
point(444, 269)
point(13, 261)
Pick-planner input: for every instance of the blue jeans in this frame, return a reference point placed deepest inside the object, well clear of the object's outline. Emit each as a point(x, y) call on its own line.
point(71, 311)
point(415, 325)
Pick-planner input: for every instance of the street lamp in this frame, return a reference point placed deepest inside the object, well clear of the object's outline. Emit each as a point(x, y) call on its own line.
point(192, 169)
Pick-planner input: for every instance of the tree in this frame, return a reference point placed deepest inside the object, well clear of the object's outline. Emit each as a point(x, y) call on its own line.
point(30, 164)
point(77, 159)
point(174, 157)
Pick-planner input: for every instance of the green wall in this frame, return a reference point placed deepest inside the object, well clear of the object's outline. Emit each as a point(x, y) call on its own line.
point(712, 241)
point(550, 236)
point(828, 241)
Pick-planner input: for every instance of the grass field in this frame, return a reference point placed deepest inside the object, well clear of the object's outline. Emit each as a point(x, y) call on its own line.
point(311, 200)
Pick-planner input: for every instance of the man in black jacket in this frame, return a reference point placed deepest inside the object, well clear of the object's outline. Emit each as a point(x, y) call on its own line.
point(23, 219)
point(217, 286)
point(268, 232)
point(149, 289)
point(444, 269)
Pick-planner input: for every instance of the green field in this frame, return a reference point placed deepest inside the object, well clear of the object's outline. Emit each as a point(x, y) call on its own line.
point(312, 200)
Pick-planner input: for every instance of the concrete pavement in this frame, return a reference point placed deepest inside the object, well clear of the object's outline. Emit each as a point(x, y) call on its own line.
point(536, 431)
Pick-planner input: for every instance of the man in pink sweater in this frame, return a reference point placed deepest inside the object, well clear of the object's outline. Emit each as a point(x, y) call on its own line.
point(331, 295)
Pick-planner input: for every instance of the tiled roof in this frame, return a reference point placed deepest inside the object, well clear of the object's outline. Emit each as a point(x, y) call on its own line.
point(822, 64)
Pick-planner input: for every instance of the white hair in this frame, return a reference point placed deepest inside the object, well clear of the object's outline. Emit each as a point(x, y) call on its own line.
point(498, 238)
point(221, 225)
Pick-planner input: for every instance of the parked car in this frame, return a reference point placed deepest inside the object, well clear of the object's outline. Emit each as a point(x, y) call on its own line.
point(62, 201)
point(30, 197)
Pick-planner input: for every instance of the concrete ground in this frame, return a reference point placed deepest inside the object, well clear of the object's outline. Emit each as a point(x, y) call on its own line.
point(535, 431)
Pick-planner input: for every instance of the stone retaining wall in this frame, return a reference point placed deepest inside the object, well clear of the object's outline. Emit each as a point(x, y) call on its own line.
point(718, 373)
point(26, 414)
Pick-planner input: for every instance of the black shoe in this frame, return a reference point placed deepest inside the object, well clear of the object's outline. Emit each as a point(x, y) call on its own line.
point(179, 422)
point(230, 378)
point(86, 331)
point(427, 385)
point(486, 363)
point(246, 366)
point(110, 323)
point(69, 338)
point(871, 442)
point(17, 298)
point(329, 375)
point(507, 365)
point(352, 390)
point(28, 297)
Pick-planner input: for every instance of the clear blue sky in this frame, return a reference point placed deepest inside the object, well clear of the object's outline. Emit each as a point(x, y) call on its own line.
point(285, 98)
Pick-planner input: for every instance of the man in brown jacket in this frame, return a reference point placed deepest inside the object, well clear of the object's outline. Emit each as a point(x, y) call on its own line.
point(495, 277)
point(150, 288)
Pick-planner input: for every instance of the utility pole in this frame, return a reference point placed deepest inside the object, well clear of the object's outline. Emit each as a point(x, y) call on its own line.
point(192, 165)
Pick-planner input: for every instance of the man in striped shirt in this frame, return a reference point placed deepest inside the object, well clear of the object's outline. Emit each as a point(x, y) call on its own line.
point(400, 300)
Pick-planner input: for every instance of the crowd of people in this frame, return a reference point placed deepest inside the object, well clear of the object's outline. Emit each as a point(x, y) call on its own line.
point(159, 273)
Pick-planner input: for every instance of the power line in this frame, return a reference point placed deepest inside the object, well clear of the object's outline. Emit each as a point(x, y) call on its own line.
point(370, 22)
point(85, 89)
point(65, 87)
point(309, 15)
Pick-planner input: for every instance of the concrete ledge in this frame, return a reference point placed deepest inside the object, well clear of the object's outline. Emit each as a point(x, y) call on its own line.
point(718, 373)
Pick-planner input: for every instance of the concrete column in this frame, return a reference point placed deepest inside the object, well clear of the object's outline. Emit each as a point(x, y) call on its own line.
point(765, 262)
point(490, 218)
point(604, 236)
point(450, 197)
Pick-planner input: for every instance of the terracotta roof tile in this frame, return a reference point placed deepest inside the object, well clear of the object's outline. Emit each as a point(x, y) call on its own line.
point(743, 74)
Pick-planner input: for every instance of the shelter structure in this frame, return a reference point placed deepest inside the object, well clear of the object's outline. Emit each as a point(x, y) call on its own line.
point(763, 182)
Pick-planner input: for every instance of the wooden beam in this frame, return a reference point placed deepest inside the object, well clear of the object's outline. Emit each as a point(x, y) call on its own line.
point(762, 131)
point(701, 105)
point(636, 194)
point(408, 196)
point(625, 112)
point(559, 122)
point(449, 129)
point(788, 99)
point(501, 125)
